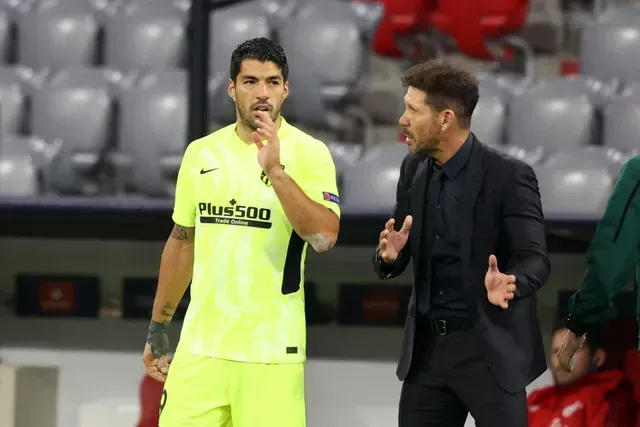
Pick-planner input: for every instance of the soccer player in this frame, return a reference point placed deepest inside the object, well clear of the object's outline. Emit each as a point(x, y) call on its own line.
point(249, 199)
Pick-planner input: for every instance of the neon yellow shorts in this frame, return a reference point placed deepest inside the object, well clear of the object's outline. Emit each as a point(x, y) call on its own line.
point(209, 392)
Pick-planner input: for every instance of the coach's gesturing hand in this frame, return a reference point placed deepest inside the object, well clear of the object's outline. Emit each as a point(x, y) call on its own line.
point(500, 287)
point(392, 241)
point(269, 154)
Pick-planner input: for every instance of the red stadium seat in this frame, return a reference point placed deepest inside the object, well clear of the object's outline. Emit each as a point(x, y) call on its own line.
point(471, 23)
point(402, 20)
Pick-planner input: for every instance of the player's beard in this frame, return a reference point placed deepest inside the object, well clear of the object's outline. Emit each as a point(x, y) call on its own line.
point(248, 118)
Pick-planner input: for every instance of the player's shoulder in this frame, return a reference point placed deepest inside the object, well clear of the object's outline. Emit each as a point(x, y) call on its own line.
point(306, 141)
point(220, 136)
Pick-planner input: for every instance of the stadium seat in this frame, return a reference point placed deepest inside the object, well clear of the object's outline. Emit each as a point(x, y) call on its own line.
point(471, 23)
point(557, 113)
point(622, 121)
point(489, 117)
point(531, 156)
point(345, 156)
point(115, 81)
point(370, 185)
point(153, 132)
point(543, 28)
point(18, 173)
point(328, 46)
point(610, 49)
point(6, 40)
point(576, 183)
point(402, 22)
point(80, 115)
point(230, 27)
point(58, 34)
point(146, 35)
point(14, 84)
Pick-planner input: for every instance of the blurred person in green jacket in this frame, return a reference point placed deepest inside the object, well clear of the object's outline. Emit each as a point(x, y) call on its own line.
point(613, 254)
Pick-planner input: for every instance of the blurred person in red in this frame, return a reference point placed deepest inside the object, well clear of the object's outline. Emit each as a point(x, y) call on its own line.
point(588, 396)
point(151, 400)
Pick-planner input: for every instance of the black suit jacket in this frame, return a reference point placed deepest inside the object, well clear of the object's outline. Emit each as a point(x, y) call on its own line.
point(501, 214)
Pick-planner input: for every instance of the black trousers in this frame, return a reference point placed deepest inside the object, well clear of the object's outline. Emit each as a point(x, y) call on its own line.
point(450, 379)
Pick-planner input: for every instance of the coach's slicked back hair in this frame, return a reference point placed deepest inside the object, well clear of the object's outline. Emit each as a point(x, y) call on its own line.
point(446, 86)
point(260, 49)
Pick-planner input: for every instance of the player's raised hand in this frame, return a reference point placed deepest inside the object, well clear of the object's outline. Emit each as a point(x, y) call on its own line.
point(392, 241)
point(269, 154)
point(500, 287)
point(155, 352)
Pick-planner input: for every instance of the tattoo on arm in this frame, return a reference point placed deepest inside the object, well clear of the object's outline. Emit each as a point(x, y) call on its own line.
point(167, 311)
point(179, 232)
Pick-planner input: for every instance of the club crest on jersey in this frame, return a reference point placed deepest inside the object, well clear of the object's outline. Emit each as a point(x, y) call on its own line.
point(263, 178)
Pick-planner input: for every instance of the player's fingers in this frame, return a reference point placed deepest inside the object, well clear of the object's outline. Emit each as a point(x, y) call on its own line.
point(384, 234)
point(511, 288)
point(163, 365)
point(256, 138)
point(265, 133)
point(511, 278)
point(510, 295)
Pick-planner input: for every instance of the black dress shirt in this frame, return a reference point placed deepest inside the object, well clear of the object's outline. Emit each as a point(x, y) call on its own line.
point(444, 278)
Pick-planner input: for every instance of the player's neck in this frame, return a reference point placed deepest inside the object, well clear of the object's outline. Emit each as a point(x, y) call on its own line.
point(244, 132)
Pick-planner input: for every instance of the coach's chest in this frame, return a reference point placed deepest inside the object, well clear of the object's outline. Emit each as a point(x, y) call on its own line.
point(233, 186)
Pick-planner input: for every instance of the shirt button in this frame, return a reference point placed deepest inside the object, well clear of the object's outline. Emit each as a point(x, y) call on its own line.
point(439, 206)
point(437, 236)
point(441, 293)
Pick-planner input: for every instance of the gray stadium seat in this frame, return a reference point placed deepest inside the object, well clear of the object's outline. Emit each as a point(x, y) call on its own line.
point(531, 156)
point(230, 27)
point(576, 183)
point(115, 81)
point(345, 156)
point(18, 172)
point(622, 121)
point(557, 113)
point(153, 132)
point(58, 34)
point(14, 82)
point(80, 114)
point(489, 117)
point(609, 46)
point(146, 35)
point(6, 42)
point(370, 185)
point(328, 47)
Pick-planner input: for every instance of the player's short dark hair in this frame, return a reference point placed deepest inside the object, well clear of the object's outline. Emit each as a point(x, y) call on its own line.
point(260, 49)
point(446, 86)
point(595, 338)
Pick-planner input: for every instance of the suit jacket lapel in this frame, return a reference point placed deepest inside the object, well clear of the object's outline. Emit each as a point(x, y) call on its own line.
point(472, 183)
point(417, 197)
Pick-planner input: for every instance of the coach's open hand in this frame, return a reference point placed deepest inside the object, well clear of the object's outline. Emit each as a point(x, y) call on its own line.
point(269, 154)
point(570, 345)
point(392, 241)
point(500, 287)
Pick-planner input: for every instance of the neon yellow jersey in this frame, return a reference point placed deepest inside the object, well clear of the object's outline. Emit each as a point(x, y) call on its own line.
point(247, 293)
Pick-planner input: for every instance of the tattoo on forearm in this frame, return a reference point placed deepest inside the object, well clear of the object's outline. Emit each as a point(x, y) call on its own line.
point(167, 311)
point(179, 232)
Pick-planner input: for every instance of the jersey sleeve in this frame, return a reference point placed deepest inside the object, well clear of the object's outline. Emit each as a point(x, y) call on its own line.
point(319, 181)
point(184, 207)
